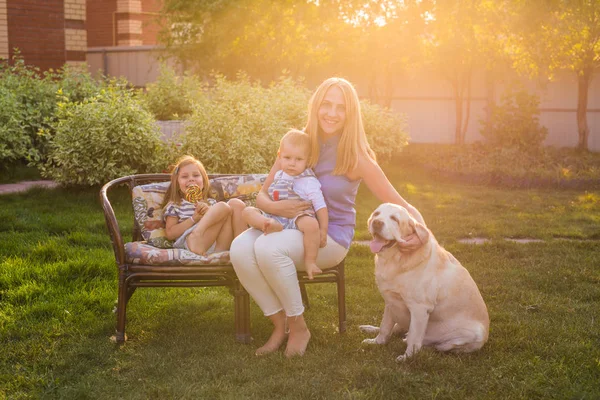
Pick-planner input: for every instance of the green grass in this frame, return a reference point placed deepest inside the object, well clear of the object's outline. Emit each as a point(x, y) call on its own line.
point(58, 287)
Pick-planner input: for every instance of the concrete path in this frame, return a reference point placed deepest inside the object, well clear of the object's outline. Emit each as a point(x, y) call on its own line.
point(25, 185)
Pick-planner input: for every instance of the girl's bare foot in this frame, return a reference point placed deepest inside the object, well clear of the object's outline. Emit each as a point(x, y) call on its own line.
point(271, 226)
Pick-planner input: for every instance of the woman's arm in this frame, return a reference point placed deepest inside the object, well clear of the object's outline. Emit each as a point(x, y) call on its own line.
point(283, 208)
point(375, 179)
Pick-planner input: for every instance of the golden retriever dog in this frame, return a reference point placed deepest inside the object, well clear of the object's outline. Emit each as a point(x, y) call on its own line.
point(427, 292)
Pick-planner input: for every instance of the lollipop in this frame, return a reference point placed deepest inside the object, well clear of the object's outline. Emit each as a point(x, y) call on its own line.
point(193, 194)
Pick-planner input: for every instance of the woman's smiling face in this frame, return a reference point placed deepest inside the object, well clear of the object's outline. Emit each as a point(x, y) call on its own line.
point(332, 112)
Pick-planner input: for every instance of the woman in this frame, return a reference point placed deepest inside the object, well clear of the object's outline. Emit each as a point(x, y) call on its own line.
point(341, 159)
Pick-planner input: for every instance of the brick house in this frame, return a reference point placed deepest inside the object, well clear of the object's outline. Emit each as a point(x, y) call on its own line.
point(50, 33)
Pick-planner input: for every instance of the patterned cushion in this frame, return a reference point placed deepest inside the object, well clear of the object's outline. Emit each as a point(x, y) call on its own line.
point(147, 201)
point(243, 187)
point(144, 254)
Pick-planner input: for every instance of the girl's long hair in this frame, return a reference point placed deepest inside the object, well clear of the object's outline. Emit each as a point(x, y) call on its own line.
point(173, 193)
point(353, 141)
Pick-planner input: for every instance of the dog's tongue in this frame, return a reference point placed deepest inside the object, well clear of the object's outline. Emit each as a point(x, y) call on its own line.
point(377, 244)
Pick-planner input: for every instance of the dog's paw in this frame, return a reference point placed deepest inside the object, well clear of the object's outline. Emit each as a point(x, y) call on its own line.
point(369, 329)
point(402, 358)
point(369, 341)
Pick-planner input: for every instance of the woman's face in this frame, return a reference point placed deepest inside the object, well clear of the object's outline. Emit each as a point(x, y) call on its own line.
point(332, 112)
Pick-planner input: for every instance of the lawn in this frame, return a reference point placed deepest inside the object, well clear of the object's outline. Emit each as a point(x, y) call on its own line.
point(58, 287)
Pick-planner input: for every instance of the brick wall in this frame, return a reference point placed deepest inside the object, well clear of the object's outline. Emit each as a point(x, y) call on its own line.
point(100, 22)
point(122, 22)
point(37, 28)
point(3, 31)
point(75, 31)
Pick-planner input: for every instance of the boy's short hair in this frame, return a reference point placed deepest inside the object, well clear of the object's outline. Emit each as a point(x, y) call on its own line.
point(295, 137)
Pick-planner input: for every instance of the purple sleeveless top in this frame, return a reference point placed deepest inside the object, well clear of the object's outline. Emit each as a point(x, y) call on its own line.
point(339, 193)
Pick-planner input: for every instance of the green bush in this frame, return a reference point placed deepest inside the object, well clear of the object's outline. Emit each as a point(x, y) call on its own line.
point(235, 126)
point(34, 96)
point(14, 144)
point(170, 97)
point(103, 137)
point(508, 166)
point(515, 123)
point(385, 130)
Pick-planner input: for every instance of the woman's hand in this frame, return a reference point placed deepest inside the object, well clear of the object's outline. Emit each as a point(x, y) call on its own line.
point(411, 243)
point(291, 208)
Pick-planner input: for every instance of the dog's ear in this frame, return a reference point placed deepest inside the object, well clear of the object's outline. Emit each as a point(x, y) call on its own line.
point(420, 230)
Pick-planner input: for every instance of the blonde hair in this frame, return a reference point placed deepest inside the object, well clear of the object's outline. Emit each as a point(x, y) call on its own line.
point(173, 193)
point(353, 141)
point(295, 137)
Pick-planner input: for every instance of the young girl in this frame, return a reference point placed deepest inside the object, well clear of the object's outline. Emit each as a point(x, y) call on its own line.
point(199, 227)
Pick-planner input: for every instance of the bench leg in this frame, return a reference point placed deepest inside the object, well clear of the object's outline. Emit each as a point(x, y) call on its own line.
point(241, 301)
point(123, 297)
point(341, 289)
point(304, 295)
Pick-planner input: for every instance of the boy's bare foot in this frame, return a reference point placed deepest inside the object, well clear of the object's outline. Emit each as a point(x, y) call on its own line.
point(273, 344)
point(297, 342)
point(271, 226)
point(312, 270)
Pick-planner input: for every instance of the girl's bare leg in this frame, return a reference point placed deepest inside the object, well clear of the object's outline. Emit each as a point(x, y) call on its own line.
point(277, 337)
point(225, 236)
point(257, 220)
point(237, 222)
point(298, 338)
point(206, 231)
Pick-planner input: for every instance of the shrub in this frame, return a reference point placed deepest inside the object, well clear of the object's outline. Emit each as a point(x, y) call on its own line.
point(33, 96)
point(14, 143)
point(235, 126)
point(170, 96)
point(103, 137)
point(515, 123)
point(384, 129)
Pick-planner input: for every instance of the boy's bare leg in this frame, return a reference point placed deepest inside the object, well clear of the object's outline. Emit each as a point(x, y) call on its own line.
point(206, 231)
point(237, 222)
point(253, 217)
point(309, 226)
point(277, 336)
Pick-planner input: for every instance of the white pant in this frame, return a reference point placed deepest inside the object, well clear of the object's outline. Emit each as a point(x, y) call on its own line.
point(266, 266)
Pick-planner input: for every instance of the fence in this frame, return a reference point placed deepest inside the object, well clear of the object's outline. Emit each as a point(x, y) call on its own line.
point(426, 100)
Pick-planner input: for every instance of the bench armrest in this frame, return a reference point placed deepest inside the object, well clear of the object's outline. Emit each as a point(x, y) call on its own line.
point(111, 220)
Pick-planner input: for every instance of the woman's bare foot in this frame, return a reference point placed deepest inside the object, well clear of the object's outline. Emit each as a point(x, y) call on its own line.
point(298, 338)
point(277, 337)
point(271, 226)
point(273, 344)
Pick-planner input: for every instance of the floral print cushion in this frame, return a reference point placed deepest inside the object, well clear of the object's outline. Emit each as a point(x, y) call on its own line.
point(148, 211)
point(243, 187)
point(144, 254)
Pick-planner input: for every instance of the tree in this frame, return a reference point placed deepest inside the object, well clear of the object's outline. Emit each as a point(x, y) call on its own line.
point(261, 37)
point(453, 52)
point(556, 35)
point(384, 39)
